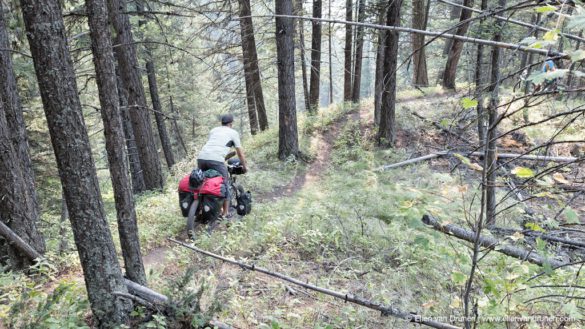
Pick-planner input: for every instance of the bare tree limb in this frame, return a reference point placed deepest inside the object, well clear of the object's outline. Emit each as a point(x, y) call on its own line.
point(385, 310)
point(490, 243)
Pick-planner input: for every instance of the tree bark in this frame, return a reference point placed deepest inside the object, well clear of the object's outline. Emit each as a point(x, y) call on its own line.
point(176, 128)
point(491, 148)
point(347, 78)
point(359, 54)
point(379, 76)
point(56, 79)
point(330, 56)
point(450, 72)
point(387, 128)
point(158, 111)
point(125, 53)
point(315, 58)
point(103, 58)
point(419, 21)
point(24, 220)
point(245, 29)
point(299, 12)
point(481, 115)
point(138, 185)
point(288, 144)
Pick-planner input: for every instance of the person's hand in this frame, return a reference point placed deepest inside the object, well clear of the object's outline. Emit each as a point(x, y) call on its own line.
point(244, 169)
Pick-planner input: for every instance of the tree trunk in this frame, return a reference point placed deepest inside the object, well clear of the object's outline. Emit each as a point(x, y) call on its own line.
point(176, 128)
point(379, 76)
point(419, 22)
point(103, 58)
point(315, 58)
point(288, 144)
point(491, 151)
point(330, 57)
point(125, 52)
point(453, 14)
point(359, 53)
point(450, 72)
point(529, 60)
point(347, 78)
point(481, 115)
point(158, 111)
point(299, 12)
point(387, 128)
point(58, 89)
point(245, 29)
point(23, 218)
point(138, 185)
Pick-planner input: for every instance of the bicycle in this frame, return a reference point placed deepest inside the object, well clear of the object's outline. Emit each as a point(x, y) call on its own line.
point(199, 214)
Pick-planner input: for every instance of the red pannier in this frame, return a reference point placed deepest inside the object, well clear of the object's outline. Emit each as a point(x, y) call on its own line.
point(186, 195)
point(213, 186)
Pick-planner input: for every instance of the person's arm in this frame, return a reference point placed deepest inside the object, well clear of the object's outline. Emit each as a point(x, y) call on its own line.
point(240, 152)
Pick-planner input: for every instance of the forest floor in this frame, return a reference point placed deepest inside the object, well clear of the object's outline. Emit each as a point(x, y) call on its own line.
point(340, 223)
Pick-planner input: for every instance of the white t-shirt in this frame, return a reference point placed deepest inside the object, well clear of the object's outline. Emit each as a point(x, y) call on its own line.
point(221, 139)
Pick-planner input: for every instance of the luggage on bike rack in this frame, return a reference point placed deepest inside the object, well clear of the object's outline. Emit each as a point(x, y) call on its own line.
point(210, 208)
point(244, 202)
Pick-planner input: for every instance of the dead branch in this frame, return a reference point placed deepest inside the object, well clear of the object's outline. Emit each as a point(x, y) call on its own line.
point(146, 293)
point(18, 242)
point(410, 161)
point(542, 235)
point(490, 243)
point(385, 310)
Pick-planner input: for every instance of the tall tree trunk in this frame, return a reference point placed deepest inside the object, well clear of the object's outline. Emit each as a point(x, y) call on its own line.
point(138, 185)
point(176, 128)
point(419, 21)
point(359, 53)
point(387, 128)
point(347, 78)
point(315, 58)
point(379, 77)
point(300, 12)
point(454, 13)
point(158, 111)
point(491, 152)
point(330, 57)
point(245, 28)
point(450, 72)
point(24, 222)
point(288, 143)
point(125, 52)
point(56, 79)
point(103, 58)
point(481, 115)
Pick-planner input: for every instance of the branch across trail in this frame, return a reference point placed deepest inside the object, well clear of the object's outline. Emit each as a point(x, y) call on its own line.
point(500, 155)
point(490, 243)
point(385, 310)
point(506, 45)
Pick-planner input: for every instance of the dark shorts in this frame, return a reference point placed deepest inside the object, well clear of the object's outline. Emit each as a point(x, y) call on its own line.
point(216, 165)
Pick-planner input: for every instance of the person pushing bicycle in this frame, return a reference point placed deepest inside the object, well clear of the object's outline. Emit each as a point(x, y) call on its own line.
point(212, 155)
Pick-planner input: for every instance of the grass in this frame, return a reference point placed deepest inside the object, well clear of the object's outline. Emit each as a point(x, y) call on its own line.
point(355, 230)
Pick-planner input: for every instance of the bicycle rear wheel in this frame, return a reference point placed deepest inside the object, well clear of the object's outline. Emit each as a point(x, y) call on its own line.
point(192, 222)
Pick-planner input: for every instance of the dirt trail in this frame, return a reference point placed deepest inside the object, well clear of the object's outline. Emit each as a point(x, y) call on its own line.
point(156, 258)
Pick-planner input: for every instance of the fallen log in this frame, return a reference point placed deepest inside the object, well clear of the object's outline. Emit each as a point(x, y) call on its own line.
point(145, 293)
point(385, 310)
point(500, 155)
point(490, 243)
point(542, 235)
point(19, 243)
point(414, 160)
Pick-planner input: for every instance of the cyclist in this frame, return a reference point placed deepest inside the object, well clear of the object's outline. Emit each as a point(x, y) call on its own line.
point(212, 155)
point(548, 66)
